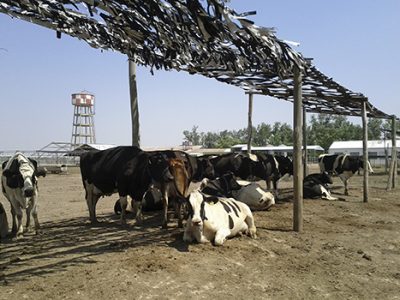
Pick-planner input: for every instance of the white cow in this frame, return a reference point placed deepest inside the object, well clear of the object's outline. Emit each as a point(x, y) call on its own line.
point(19, 185)
point(216, 219)
point(3, 222)
point(254, 196)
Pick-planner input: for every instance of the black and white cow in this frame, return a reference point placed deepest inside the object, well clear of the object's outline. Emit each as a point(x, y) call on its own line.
point(3, 222)
point(214, 219)
point(247, 192)
point(19, 186)
point(267, 167)
point(343, 165)
point(125, 169)
point(316, 186)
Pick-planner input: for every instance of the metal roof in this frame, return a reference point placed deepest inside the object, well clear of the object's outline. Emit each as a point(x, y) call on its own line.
point(210, 39)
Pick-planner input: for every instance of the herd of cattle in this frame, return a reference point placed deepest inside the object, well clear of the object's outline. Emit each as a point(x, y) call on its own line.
point(221, 207)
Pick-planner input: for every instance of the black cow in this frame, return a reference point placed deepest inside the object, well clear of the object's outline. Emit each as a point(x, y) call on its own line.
point(125, 169)
point(343, 165)
point(254, 166)
point(316, 186)
point(221, 186)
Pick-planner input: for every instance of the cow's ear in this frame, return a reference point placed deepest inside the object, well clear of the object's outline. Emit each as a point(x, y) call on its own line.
point(33, 162)
point(3, 165)
point(12, 169)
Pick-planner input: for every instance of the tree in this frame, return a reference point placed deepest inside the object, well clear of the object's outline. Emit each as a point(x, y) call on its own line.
point(262, 135)
point(193, 136)
point(374, 129)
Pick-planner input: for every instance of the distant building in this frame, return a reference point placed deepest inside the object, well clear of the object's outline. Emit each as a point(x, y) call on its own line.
point(377, 149)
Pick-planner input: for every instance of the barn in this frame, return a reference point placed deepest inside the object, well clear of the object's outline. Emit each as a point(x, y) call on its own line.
point(378, 150)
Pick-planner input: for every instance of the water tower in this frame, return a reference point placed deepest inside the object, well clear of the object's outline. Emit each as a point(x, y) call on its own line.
point(83, 122)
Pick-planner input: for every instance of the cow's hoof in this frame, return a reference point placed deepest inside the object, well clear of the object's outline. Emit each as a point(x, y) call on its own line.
point(38, 232)
point(164, 226)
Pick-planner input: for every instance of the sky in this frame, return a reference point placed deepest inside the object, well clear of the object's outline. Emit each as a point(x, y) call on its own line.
point(355, 42)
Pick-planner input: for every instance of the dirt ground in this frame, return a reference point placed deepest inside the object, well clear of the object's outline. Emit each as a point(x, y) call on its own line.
point(348, 250)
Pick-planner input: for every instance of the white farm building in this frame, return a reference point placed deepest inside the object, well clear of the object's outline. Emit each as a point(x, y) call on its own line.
point(377, 149)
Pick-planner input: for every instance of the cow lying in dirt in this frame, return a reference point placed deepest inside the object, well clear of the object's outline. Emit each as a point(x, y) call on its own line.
point(316, 186)
point(244, 191)
point(215, 219)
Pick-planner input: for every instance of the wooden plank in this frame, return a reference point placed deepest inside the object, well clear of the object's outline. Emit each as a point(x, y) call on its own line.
point(297, 155)
point(365, 150)
point(250, 123)
point(134, 103)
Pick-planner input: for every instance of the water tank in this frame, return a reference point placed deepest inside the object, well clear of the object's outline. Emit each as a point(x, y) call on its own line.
point(83, 99)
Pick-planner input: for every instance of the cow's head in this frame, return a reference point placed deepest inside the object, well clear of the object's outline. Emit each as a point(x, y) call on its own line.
point(196, 211)
point(228, 180)
point(206, 167)
point(285, 165)
point(20, 172)
point(159, 168)
point(326, 178)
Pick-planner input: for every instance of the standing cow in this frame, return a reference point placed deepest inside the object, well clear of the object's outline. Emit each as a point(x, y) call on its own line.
point(267, 167)
point(125, 169)
point(343, 165)
point(216, 219)
point(19, 185)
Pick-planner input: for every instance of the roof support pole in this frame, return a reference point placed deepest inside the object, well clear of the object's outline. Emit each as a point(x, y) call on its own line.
point(297, 155)
point(250, 124)
point(134, 103)
point(365, 149)
point(394, 150)
point(393, 163)
point(305, 158)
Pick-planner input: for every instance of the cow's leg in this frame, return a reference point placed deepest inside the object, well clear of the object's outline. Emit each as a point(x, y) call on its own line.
point(346, 190)
point(124, 203)
point(137, 207)
point(14, 221)
point(178, 212)
point(220, 236)
point(275, 184)
point(268, 183)
point(20, 228)
point(35, 214)
point(252, 230)
point(165, 207)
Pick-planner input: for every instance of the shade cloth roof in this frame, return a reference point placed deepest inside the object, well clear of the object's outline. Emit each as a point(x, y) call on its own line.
point(198, 37)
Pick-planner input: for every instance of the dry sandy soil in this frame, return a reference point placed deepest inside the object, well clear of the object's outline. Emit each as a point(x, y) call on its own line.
point(348, 250)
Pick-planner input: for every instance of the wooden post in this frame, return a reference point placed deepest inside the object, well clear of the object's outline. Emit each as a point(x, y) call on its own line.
point(250, 124)
point(365, 149)
point(305, 156)
point(394, 151)
point(392, 170)
point(134, 103)
point(297, 155)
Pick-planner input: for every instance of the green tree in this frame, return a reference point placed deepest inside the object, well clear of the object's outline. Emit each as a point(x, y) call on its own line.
point(374, 129)
point(262, 134)
point(193, 136)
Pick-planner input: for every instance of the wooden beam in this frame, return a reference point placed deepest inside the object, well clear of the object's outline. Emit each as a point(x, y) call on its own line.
point(394, 151)
point(305, 156)
point(297, 155)
point(250, 124)
point(134, 103)
point(365, 149)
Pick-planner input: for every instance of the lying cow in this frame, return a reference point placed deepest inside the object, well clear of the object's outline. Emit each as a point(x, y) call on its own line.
point(254, 196)
point(316, 186)
point(343, 165)
point(215, 219)
point(3, 222)
point(125, 169)
point(248, 192)
point(19, 185)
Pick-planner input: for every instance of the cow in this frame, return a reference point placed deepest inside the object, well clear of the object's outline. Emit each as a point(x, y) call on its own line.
point(316, 186)
point(343, 165)
point(124, 169)
point(187, 169)
point(222, 186)
point(254, 196)
point(3, 222)
point(267, 167)
point(19, 186)
point(214, 219)
point(247, 192)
